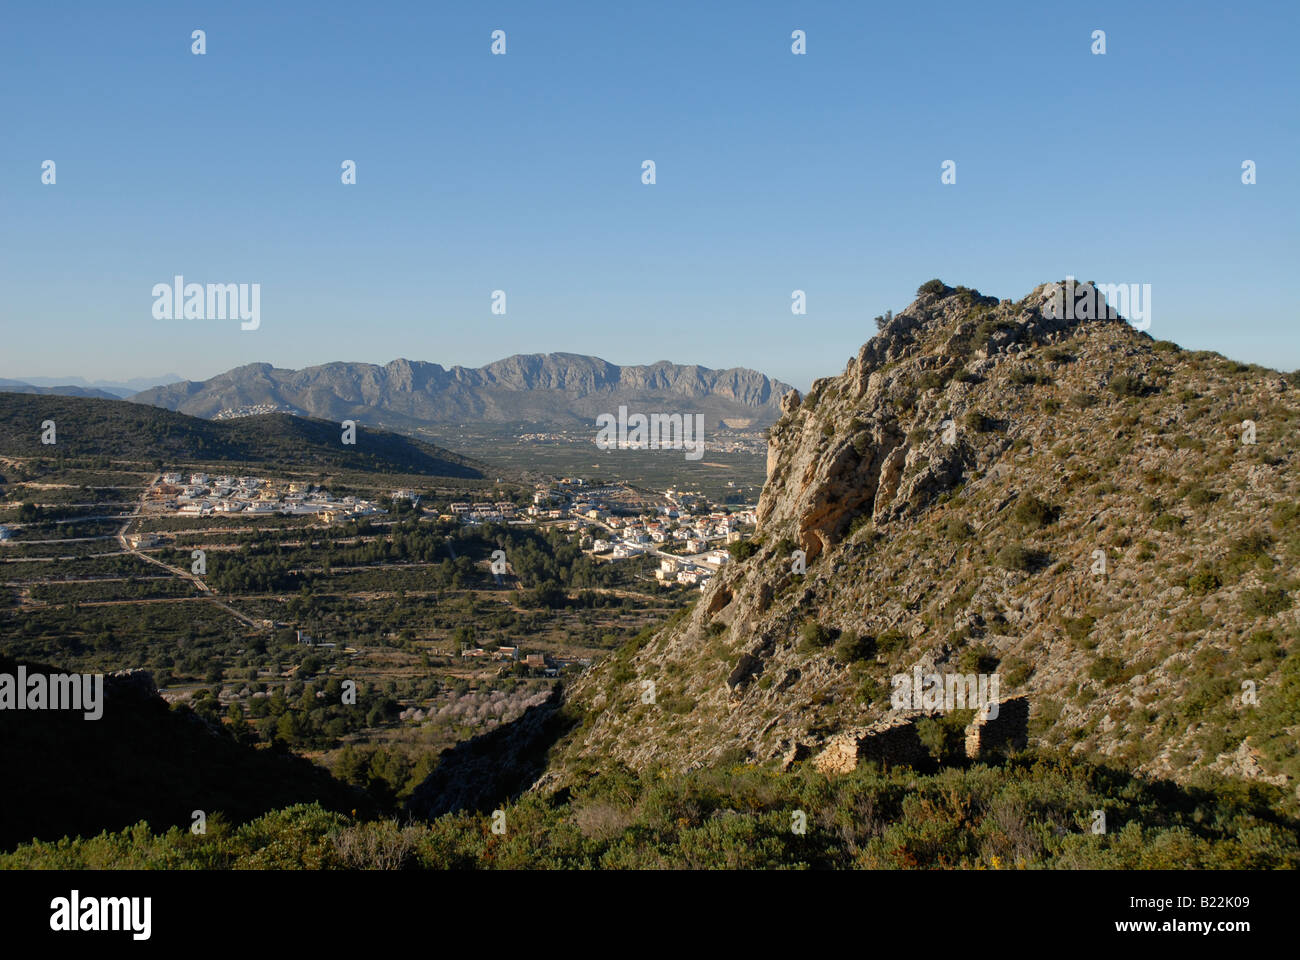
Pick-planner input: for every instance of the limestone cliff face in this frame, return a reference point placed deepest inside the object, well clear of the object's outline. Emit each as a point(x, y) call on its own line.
point(987, 488)
point(821, 479)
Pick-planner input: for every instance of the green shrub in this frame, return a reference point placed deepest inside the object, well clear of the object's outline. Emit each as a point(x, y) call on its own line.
point(1260, 646)
point(1204, 695)
point(1265, 602)
point(1017, 671)
point(943, 737)
point(977, 659)
point(813, 636)
point(1122, 385)
point(890, 640)
point(989, 327)
point(622, 672)
point(851, 648)
point(957, 529)
point(1285, 514)
point(1027, 812)
point(1204, 579)
point(1013, 556)
point(1020, 377)
point(742, 549)
point(1078, 629)
point(1191, 621)
point(972, 297)
point(1168, 522)
point(677, 703)
point(1109, 670)
point(1249, 551)
point(934, 379)
point(1033, 513)
point(871, 690)
point(859, 521)
point(932, 288)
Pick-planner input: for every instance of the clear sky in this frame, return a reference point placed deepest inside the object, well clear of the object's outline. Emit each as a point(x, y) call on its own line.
point(522, 172)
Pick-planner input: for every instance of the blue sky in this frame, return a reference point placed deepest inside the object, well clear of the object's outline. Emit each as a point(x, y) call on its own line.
point(522, 172)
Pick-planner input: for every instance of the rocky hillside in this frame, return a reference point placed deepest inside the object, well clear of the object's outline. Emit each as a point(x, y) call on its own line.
point(555, 389)
point(1067, 505)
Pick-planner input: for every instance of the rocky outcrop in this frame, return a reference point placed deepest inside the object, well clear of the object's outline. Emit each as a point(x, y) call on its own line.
point(746, 668)
point(952, 492)
point(1245, 762)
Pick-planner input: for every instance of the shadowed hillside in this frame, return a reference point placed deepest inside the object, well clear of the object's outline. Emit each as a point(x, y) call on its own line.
point(141, 761)
point(123, 430)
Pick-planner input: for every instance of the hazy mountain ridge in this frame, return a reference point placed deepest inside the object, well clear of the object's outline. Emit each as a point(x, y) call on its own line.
point(113, 388)
point(953, 490)
point(64, 390)
point(559, 389)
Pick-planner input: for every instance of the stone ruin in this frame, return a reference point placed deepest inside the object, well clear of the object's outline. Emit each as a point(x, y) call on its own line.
point(894, 741)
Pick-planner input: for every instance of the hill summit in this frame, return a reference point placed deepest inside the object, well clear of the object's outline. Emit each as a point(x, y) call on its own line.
point(1102, 524)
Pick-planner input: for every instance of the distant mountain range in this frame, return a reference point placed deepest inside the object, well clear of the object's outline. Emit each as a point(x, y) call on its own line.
point(558, 390)
point(65, 390)
point(81, 387)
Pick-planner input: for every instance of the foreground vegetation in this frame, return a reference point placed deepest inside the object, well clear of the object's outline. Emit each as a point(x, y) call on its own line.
point(1029, 812)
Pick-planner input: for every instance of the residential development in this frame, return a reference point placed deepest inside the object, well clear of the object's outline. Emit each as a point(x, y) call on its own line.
point(199, 495)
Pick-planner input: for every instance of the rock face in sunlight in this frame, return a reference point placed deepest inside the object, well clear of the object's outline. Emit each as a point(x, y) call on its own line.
point(1102, 522)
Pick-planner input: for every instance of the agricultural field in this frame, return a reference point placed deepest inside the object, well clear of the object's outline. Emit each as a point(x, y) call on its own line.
point(286, 611)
